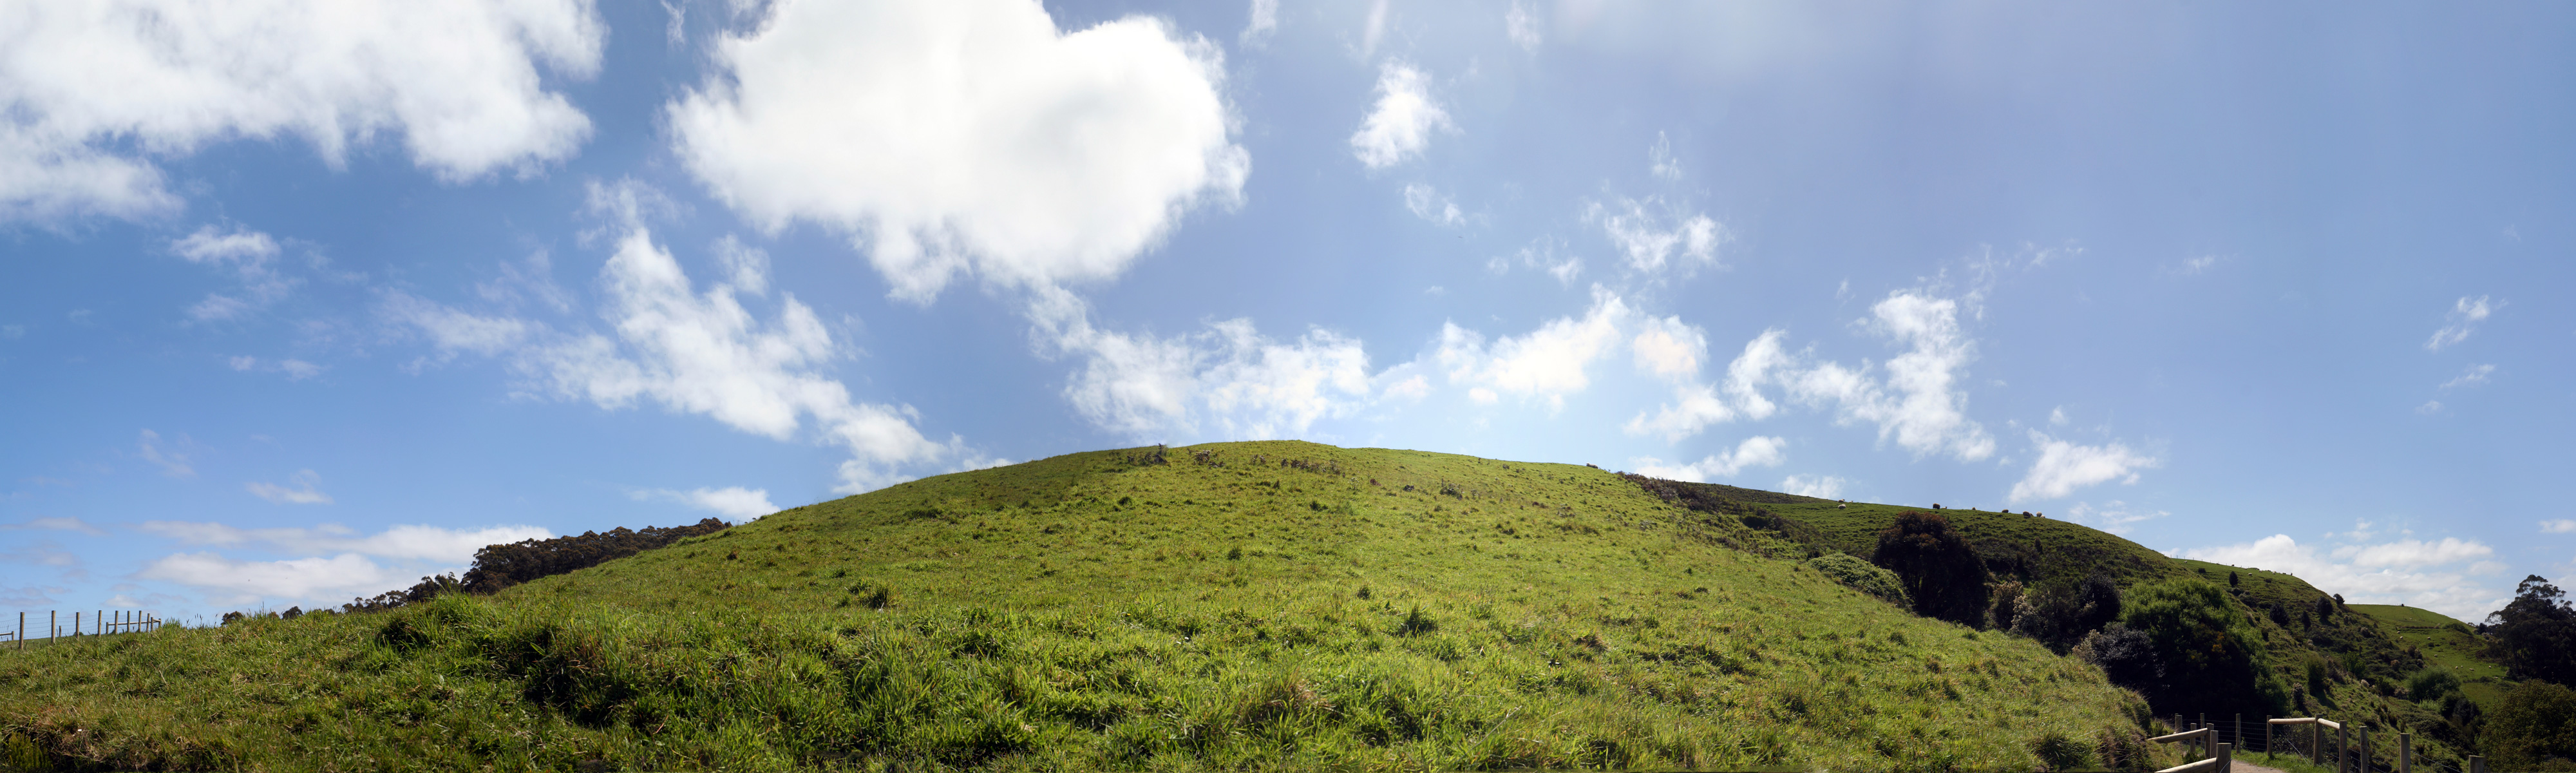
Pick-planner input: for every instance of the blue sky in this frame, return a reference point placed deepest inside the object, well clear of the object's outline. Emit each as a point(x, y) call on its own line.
point(2273, 285)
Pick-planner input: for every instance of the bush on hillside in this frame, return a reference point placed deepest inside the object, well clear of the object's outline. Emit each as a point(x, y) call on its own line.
point(1942, 574)
point(2431, 684)
point(2128, 657)
point(2213, 659)
point(2534, 728)
point(1862, 576)
point(2060, 615)
point(2535, 635)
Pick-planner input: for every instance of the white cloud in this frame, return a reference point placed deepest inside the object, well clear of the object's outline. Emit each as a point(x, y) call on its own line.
point(97, 90)
point(964, 137)
point(1926, 412)
point(249, 255)
point(13, 331)
point(1428, 204)
point(1820, 486)
point(59, 524)
point(2476, 376)
point(409, 542)
point(1265, 20)
point(1548, 363)
point(1650, 239)
point(1522, 26)
point(1545, 254)
point(1696, 405)
point(453, 331)
point(2558, 526)
point(303, 494)
point(2057, 416)
point(2406, 572)
point(1374, 29)
point(2064, 467)
point(295, 370)
point(705, 354)
point(1660, 160)
point(2194, 266)
point(2409, 552)
point(2464, 319)
point(1228, 382)
point(735, 503)
point(172, 463)
point(1756, 451)
point(1401, 123)
point(2429, 407)
point(1669, 348)
point(230, 581)
point(691, 352)
point(2115, 516)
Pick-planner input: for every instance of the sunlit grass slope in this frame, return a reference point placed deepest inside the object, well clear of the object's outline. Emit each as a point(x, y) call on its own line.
point(1282, 605)
point(2447, 644)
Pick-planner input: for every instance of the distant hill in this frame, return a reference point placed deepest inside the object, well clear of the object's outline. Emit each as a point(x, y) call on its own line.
point(1272, 605)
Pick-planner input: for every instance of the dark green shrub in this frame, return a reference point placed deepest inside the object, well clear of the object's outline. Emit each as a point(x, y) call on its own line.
point(1942, 574)
point(2213, 659)
point(2431, 684)
point(2535, 635)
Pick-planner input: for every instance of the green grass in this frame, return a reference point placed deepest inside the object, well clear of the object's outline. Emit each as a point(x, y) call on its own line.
point(2446, 644)
point(1083, 612)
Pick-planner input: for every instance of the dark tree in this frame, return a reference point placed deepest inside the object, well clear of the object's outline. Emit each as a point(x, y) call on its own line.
point(2535, 728)
point(2128, 657)
point(501, 566)
point(2061, 615)
point(1941, 572)
point(2535, 635)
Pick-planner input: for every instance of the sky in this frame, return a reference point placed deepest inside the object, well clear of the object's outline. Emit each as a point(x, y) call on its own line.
point(305, 302)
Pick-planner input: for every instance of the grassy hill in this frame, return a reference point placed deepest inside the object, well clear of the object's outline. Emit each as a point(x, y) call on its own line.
point(1256, 606)
point(2446, 644)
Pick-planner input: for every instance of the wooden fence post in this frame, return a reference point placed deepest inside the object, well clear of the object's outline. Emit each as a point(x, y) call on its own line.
point(2239, 737)
point(2226, 760)
point(2405, 753)
point(2363, 735)
point(2343, 748)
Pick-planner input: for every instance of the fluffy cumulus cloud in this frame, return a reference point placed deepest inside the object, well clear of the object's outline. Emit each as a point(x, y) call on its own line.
point(1756, 451)
point(1919, 403)
point(1654, 236)
point(1227, 382)
point(2558, 526)
point(1403, 119)
point(2464, 318)
point(2064, 467)
point(94, 92)
point(735, 503)
point(1697, 405)
point(703, 353)
point(1547, 364)
point(692, 352)
point(305, 491)
point(2436, 575)
point(968, 137)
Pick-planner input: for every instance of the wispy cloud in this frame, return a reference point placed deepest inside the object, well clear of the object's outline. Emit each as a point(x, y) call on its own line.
point(304, 492)
point(172, 462)
point(735, 503)
point(2464, 318)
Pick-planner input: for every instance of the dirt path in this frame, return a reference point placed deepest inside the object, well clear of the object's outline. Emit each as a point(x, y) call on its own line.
point(2248, 767)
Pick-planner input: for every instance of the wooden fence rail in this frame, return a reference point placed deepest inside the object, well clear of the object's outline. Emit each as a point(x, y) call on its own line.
point(99, 623)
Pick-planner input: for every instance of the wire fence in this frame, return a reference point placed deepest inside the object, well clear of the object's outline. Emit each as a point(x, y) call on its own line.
point(102, 622)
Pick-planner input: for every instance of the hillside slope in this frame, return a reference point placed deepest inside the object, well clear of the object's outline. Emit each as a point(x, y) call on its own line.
point(1267, 605)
